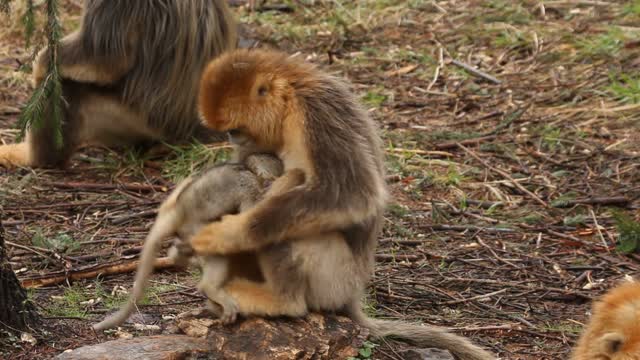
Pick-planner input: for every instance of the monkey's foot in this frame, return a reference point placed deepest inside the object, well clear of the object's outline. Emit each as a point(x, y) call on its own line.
point(225, 309)
point(14, 155)
point(181, 254)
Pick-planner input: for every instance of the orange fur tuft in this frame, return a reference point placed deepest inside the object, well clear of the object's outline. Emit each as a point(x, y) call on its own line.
point(613, 333)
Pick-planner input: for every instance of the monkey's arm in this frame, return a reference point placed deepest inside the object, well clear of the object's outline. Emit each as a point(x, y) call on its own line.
point(286, 212)
point(76, 62)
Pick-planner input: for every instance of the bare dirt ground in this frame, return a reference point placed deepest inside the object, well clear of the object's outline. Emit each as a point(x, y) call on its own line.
point(505, 181)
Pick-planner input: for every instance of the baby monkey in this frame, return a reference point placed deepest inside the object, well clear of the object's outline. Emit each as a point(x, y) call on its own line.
point(223, 189)
point(613, 333)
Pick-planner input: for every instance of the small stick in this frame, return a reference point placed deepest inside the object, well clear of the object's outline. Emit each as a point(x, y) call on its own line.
point(476, 72)
point(391, 257)
point(505, 175)
point(595, 222)
point(479, 297)
point(422, 152)
point(436, 74)
point(454, 144)
point(483, 204)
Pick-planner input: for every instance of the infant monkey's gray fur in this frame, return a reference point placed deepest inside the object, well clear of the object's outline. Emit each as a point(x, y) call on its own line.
point(196, 201)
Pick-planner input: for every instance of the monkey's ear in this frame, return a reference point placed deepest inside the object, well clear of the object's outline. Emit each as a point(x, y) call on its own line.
point(611, 343)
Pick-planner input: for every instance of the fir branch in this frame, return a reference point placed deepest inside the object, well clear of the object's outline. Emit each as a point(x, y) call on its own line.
point(28, 19)
point(49, 92)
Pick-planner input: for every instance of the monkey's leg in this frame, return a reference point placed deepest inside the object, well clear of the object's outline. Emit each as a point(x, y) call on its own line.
point(40, 148)
point(77, 63)
point(15, 155)
point(89, 115)
point(215, 271)
point(254, 298)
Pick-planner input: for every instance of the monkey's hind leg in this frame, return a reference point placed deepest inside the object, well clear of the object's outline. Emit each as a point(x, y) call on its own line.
point(13, 155)
point(215, 271)
point(254, 298)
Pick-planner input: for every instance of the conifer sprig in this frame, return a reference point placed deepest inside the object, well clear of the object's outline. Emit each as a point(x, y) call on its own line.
point(49, 92)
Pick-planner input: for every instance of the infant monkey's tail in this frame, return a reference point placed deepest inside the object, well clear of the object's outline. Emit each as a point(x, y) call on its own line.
point(427, 336)
point(163, 227)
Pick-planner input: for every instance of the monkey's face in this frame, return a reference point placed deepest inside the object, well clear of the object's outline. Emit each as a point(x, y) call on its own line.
point(246, 90)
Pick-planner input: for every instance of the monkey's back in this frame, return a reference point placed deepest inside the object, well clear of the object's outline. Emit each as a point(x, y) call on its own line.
point(176, 38)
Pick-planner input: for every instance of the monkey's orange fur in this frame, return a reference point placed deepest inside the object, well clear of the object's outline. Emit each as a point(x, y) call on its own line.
point(613, 333)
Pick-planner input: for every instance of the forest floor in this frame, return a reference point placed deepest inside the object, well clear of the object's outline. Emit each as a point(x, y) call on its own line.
point(510, 185)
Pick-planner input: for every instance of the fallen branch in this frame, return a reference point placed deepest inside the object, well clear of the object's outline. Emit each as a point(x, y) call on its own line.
point(90, 272)
point(468, 228)
point(505, 175)
point(142, 214)
point(605, 200)
point(95, 186)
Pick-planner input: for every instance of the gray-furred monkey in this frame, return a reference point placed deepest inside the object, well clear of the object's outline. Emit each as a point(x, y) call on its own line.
point(130, 74)
point(217, 191)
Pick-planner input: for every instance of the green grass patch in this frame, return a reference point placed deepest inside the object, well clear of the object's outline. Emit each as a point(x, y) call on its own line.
point(628, 233)
point(507, 12)
point(374, 97)
point(510, 39)
point(191, 158)
point(69, 303)
point(398, 210)
point(607, 45)
point(562, 200)
point(60, 242)
point(631, 8)
point(625, 88)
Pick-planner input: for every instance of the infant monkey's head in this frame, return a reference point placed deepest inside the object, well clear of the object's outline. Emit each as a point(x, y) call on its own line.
point(252, 91)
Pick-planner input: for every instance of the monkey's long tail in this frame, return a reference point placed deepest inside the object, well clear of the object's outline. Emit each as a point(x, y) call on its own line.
point(164, 226)
point(427, 336)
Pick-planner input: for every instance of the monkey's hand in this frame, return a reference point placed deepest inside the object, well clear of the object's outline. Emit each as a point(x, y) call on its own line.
point(232, 233)
point(222, 237)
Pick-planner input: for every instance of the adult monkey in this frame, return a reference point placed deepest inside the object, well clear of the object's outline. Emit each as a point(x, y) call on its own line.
point(129, 74)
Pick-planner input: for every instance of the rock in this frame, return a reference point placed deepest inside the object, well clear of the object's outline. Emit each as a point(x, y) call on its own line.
point(314, 337)
point(159, 347)
point(428, 354)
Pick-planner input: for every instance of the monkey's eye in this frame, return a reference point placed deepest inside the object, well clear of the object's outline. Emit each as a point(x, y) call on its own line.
point(262, 90)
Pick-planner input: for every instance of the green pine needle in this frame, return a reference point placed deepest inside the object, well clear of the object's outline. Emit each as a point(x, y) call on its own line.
point(49, 92)
point(28, 19)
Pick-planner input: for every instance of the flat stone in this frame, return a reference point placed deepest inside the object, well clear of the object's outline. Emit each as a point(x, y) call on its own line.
point(159, 347)
point(428, 354)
